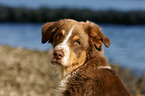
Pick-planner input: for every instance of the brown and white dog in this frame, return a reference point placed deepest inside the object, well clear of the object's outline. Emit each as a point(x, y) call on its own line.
point(78, 53)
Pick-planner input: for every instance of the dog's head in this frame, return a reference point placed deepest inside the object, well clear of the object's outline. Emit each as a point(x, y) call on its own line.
point(71, 41)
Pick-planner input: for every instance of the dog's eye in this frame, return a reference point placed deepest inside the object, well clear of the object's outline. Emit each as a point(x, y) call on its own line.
point(77, 42)
point(58, 36)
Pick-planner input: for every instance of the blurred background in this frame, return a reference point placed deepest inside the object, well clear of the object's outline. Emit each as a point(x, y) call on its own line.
point(123, 21)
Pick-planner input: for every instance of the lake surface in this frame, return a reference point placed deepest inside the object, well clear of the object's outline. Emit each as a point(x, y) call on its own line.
point(127, 42)
point(89, 4)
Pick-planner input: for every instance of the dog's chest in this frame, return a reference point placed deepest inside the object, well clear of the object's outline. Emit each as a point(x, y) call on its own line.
point(62, 86)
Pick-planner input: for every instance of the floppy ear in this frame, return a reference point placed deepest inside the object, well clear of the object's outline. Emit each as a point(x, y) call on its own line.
point(97, 36)
point(48, 30)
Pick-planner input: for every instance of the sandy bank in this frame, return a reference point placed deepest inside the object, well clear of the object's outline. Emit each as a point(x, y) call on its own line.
point(28, 73)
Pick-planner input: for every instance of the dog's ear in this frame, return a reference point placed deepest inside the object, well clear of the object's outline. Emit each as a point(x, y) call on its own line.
point(48, 30)
point(97, 36)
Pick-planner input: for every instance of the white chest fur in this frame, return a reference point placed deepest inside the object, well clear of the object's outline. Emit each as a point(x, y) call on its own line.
point(62, 86)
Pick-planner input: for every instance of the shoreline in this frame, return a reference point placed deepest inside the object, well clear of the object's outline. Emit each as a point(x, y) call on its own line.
point(45, 14)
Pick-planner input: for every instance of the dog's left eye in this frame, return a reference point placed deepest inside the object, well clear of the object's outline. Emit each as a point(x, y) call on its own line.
point(77, 42)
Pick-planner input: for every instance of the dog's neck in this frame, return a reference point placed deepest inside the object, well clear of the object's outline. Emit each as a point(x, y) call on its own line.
point(101, 63)
point(65, 71)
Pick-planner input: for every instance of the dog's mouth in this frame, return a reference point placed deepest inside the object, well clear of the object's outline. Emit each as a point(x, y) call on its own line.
point(56, 62)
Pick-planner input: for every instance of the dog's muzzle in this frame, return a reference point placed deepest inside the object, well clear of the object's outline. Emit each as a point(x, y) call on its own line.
point(60, 54)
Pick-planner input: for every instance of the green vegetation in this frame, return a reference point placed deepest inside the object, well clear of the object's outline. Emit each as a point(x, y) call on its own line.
point(29, 73)
point(8, 14)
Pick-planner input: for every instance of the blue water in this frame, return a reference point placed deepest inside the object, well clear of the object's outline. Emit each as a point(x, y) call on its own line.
point(127, 42)
point(22, 35)
point(90, 4)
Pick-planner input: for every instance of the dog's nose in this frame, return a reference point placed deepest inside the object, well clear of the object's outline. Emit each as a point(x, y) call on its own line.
point(58, 54)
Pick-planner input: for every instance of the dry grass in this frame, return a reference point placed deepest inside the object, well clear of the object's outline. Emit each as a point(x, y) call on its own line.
point(28, 73)
point(25, 73)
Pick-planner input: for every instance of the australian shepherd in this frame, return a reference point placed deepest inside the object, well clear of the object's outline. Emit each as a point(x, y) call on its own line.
point(78, 54)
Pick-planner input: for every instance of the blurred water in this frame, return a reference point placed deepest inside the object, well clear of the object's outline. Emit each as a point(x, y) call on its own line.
point(127, 42)
point(127, 45)
point(22, 35)
point(90, 4)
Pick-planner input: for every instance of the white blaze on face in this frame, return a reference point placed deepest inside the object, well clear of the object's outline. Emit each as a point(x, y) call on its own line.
point(65, 48)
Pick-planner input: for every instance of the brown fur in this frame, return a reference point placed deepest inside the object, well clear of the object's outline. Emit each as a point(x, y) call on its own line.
point(91, 81)
point(84, 77)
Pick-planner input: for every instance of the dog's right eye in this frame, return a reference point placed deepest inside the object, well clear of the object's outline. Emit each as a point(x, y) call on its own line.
point(58, 36)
